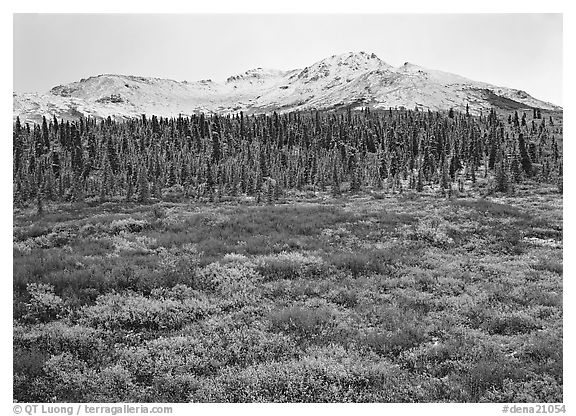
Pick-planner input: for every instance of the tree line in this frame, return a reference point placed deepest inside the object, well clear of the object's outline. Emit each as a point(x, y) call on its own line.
point(265, 155)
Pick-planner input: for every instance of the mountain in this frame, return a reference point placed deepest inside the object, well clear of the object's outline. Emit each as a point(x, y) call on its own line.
point(357, 79)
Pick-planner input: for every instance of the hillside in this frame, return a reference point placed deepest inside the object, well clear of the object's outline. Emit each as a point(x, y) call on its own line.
point(357, 79)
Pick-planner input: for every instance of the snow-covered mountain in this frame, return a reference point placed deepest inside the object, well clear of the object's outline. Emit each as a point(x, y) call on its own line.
point(357, 79)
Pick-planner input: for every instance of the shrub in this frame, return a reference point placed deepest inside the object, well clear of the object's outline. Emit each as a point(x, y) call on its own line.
point(394, 342)
point(158, 213)
point(129, 225)
point(58, 337)
point(91, 229)
point(111, 384)
point(433, 230)
point(29, 361)
point(495, 209)
point(175, 193)
point(93, 247)
point(178, 292)
point(543, 350)
point(38, 267)
point(299, 302)
point(346, 297)
point(68, 377)
point(31, 231)
point(543, 389)
point(136, 312)
point(44, 305)
point(511, 242)
point(329, 374)
point(549, 265)
point(204, 352)
point(169, 388)
point(220, 276)
point(362, 263)
point(420, 302)
point(30, 384)
point(488, 372)
point(290, 266)
point(477, 313)
point(54, 239)
point(130, 244)
point(510, 324)
point(305, 322)
point(474, 365)
point(183, 259)
point(60, 236)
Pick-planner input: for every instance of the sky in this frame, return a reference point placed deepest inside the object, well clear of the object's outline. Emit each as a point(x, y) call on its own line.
point(522, 51)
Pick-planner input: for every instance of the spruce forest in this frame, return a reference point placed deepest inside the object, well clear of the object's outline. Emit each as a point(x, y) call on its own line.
point(264, 156)
point(322, 256)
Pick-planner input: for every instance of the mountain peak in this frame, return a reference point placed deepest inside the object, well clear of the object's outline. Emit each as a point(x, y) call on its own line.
point(344, 66)
point(356, 59)
point(336, 81)
point(357, 55)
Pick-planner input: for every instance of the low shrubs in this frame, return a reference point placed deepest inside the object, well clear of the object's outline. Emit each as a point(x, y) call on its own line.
point(364, 262)
point(43, 305)
point(73, 381)
point(302, 321)
point(132, 244)
point(204, 352)
point(136, 312)
point(175, 193)
point(549, 265)
point(292, 265)
point(489, 371)
point(327, 374)
point(128, 225)
point(394, 342)
point(346, 297)
point(541, 389)
point(510, 324)
point(494, 209)
point(434, 230)
point(221, 276)
point(356, 300)
point(59, 337)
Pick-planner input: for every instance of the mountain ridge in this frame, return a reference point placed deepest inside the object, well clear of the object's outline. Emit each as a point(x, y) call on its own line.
point(353, 78)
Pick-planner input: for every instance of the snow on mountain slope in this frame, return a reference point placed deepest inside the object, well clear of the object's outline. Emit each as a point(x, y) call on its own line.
point(358, 79)
point(256, 77)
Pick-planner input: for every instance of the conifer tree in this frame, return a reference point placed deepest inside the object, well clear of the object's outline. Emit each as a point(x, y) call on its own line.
point(335, 182)
point(419, 183)
point(143, 190)
point(502, 183)
point(208, 153)
point(524, 157)
point(515, 170)
point(45, 135)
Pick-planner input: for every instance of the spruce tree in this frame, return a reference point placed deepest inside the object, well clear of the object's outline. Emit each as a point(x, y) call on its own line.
point(143, 190)
point(515, 169)
point(502, 183)
point(524, 157)
point(419, 184)
point(335, 186)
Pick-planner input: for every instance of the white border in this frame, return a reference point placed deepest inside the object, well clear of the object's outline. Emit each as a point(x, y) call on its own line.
point(299, 7)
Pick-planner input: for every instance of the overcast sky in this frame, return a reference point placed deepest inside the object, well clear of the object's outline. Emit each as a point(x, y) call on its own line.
point(514, 50)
